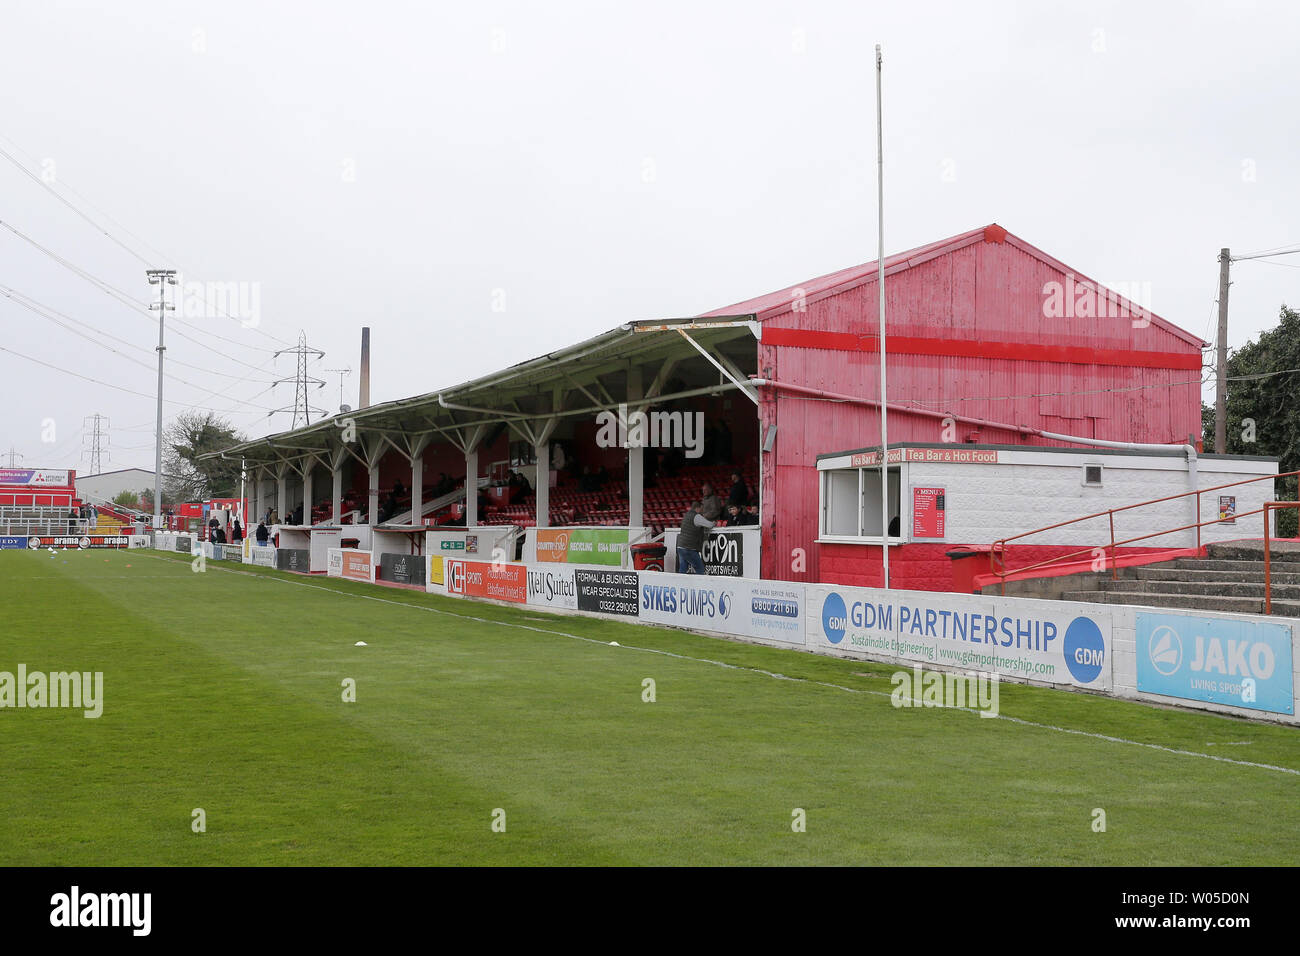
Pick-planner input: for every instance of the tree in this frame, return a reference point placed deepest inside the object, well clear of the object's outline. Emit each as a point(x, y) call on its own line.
point(1263, 415)
point(186, 439)
point(146, 500)
point(128, 499)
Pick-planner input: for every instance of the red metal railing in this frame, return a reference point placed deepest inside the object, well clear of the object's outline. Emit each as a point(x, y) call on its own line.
point(1000, 546)
point(1268, 564)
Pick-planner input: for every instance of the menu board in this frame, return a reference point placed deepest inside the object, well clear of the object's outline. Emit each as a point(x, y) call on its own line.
point(927, 512)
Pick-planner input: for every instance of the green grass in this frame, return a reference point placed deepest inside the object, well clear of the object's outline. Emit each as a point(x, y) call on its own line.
point(223, 691)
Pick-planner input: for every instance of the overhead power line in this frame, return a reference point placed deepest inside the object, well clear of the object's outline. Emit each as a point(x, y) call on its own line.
point(120, 388)
point(48, 187)
point(54, 315)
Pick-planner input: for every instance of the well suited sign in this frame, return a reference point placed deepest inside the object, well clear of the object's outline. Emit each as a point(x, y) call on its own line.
point(552, 587)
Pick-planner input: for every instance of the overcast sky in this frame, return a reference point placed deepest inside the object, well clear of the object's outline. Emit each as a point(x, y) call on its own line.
point(482, 183)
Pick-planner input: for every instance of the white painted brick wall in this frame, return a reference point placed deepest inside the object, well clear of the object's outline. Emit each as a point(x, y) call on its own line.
point(987, 502)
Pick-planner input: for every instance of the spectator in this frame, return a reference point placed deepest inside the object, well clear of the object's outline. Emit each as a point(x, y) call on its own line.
point(739, 495)
point(72, 520)
point(238, 536)
point(273, 518)
point(220, 535)
point(710, 504)
point(738, 516)
point(261, 534)
point(694, 529)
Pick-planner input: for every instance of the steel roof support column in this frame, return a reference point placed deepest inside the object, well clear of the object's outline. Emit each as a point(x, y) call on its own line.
point(372, 492)
point(635, 456)
point(259, 483)
point(336, 492)
point(307, 468)
point(471, 475)
point(417, 447)
point(542, 452)
point(282, 489)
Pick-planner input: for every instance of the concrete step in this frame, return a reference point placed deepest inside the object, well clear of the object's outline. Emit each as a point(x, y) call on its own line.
point(1158, 572)
point(1284, 552)
point(1241, 605)
point(1210, 588)
point(1184, 602)
point(1214, 564)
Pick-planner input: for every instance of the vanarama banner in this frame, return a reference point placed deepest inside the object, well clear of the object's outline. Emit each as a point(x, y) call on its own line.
point(79, 541)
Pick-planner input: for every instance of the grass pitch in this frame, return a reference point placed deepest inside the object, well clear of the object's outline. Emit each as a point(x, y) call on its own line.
point(224, 691)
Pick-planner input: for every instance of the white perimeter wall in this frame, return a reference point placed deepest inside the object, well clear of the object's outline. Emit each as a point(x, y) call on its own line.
point(1107, 649)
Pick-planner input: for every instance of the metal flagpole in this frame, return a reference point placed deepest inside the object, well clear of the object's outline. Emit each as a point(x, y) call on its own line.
point(880, 282)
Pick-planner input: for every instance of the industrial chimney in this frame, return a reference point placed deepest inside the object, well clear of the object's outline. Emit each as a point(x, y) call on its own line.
point(364, 397)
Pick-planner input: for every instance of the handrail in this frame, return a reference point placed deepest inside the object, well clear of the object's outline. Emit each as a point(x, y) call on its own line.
point(1268, 564)
point(1001, 544)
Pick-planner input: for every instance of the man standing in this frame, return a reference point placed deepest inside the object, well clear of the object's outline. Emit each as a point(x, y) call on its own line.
point(710, 505)
point(739, 496)
point(694, 528)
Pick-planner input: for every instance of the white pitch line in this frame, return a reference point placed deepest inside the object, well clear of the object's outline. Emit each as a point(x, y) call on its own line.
point(758, 670)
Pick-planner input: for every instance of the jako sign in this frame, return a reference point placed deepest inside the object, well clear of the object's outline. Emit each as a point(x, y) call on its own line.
point(1240, 663)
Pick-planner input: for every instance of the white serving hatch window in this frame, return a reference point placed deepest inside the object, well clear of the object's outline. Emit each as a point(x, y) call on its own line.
point(850, 505)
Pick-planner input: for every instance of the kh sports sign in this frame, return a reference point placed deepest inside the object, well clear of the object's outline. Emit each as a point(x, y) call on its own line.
point(1239, 663)
point(1032, 640)
point(500, 582)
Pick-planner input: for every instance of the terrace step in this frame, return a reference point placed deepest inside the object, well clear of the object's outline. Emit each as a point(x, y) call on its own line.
point(1197, 602)
point(1281, 551)
point(1211, 588)
point(1161, 572)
